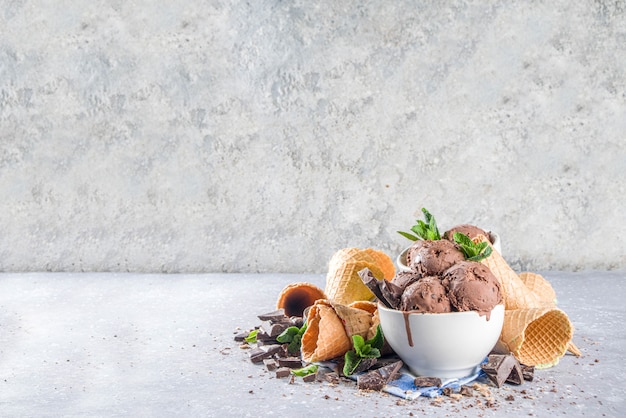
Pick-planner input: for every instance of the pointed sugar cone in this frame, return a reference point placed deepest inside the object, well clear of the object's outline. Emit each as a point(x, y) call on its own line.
point(537, 337)
point(296, 297)
point(355, 321)
point(514, 292)
point(539, 286)
point(325, 337)
point(344, 286)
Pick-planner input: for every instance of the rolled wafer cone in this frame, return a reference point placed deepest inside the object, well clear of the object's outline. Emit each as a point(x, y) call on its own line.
point(366, 305)
point(355, 321)
point(538, 336)
point(383, 261)
point(296, 297)
point(344, 286)
point(325, 337)
point(515, 294)
point(539, 286)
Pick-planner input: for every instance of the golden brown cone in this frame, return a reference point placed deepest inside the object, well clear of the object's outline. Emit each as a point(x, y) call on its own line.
point(515, 294)
point(296, 297)
point(375, 322)
point(383, 261)
point(366, 305)
point(539, 286)
point(537, 337)
point(325, 337)
point(534, 330)
point(344, 286)
point(355, 321)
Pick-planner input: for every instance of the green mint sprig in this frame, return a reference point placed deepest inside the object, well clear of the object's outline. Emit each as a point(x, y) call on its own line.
point(293, 337)
point(473, 251)
point(251, 338)
point(362, 350)
point(423, 230)
point(310, 369)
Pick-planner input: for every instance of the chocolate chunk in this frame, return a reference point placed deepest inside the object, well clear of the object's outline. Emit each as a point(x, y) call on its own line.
point(390, 371)
point(500, 366)
point(447, 391)
point(373, 284)
point(310, 377)
point(427, 381)
point(370, 381)
point(257, 355)
point(364, 365)
point(274, 316)
point(241, 336)
point(391, 292)
point(296, 321)
point(516, 376)
point(528, 372)
point(277, 329)
point(283, 372)
point(291, 362)
point(466, 391)
point(332, 377)
point(270, 364)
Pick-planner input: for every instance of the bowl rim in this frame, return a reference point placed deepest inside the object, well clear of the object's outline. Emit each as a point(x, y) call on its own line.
point(456, 313)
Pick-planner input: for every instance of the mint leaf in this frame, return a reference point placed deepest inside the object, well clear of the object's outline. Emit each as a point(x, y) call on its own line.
point(310, 369)
point(251, 338)
point(425, 230)
point(352, 361)
point(473, 251)
point(293, 337)
point(377, 340)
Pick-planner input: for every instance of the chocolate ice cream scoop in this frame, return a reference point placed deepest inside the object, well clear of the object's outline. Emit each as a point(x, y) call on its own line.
point(432, 258)
point(425, 295)
point(472, 287)
point(466, 229)
point(404, 278)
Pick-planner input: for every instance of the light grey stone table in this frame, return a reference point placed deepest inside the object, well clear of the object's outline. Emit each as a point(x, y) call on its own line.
point(97, 344)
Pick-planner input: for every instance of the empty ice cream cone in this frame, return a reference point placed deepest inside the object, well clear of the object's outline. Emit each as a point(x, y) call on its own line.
point(514, 292)
point(343, 284)
point(355, 321)
point(538, 337)
point(325, 337)
point(296, 297)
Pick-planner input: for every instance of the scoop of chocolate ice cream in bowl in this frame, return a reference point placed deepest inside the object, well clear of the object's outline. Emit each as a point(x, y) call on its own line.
point(443, 325)
point(427, 240)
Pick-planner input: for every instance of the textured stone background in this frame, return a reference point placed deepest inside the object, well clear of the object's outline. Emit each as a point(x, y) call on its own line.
point(265, 135)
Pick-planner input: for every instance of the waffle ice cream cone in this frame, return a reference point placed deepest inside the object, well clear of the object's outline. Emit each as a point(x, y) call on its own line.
point(355, 321)
point(534, 330)
point(296, 297)
point(366, 305)
point(325, 337)
point(343, 284)
point(537, 336)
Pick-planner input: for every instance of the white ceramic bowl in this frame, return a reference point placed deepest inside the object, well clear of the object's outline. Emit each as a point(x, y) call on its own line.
point(401, 259)
point(444, 345)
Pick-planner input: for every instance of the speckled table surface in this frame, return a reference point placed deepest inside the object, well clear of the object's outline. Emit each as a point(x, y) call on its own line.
point(103, 344)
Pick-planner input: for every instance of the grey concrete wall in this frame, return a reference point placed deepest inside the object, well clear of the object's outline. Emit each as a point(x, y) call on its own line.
point(264, 135)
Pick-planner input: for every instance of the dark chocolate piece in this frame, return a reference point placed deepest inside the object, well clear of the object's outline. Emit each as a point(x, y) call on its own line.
point(391, 371)
point(283, 372)
point(275, 316)
point(466, 391)
point(391, 292)
point(241, 336)
point(270, 364)
point(291, 362)
point(364, 365)
point(296, 321)
point(277, 329)
point(372, 283)
point(257, 355)
point(528, 372)
point(310, 377)
point(370, 381)
point(500, 366)
point(516, 376)
point(427, 381)
point(332, 377)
